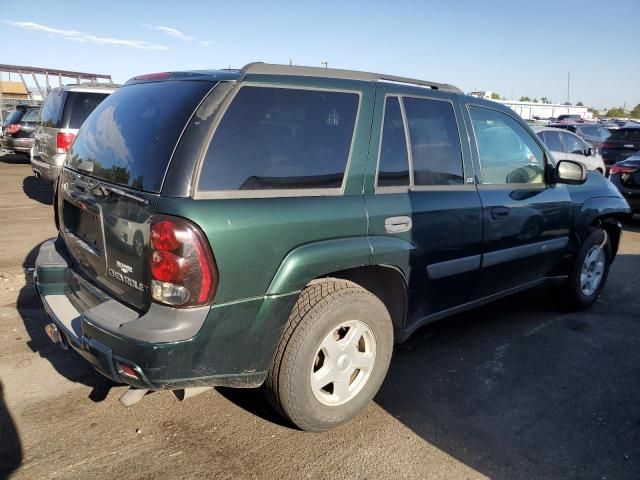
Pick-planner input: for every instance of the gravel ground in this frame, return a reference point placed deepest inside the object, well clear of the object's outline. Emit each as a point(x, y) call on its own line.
point(517, 389)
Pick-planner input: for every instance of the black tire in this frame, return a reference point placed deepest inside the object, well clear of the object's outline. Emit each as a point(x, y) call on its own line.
point(575, 297)
point(321, 308)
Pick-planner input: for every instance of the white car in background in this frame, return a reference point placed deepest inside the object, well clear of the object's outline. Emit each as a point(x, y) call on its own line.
point(568, 146)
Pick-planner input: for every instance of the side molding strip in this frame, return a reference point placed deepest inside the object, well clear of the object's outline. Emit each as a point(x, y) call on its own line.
point(453, 267)
point(522, 251)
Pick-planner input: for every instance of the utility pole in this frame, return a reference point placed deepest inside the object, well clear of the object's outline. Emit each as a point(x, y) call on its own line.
point(326, 64)
point(568, 87)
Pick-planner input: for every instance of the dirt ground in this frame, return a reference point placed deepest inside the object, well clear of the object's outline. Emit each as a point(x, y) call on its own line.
point(517, 389)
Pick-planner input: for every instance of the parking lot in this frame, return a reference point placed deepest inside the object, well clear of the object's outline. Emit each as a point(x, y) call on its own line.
point(517, 389)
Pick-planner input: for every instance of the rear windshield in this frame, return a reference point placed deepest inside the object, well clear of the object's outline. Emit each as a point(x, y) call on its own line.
point(626, 134)
point(79, 106)
point(130, 136)
point(31, 115)
point(14, 117)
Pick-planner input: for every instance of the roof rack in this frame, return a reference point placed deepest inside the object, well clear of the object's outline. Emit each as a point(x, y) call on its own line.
point(262, 68)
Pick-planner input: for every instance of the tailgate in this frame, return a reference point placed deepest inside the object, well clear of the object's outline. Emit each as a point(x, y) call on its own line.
point(106, 231)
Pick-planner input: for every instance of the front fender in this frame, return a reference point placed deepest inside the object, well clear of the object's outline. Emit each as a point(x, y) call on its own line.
point(601, 207)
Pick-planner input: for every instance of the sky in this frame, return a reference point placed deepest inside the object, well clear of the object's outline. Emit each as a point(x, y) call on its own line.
point(515, 48)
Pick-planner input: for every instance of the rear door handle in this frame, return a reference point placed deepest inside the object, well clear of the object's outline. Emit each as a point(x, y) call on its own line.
point(498, 213)
point(399, 224)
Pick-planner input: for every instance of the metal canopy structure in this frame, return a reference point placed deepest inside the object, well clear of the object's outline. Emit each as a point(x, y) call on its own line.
point(48, 73)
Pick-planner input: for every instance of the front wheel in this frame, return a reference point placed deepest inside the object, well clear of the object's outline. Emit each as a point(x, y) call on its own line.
point(333, 355)
point(590, 270)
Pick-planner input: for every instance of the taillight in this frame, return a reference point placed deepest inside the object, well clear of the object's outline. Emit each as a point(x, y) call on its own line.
point(64, 141)
point(607, 145)
point(13, 128)
point(621, 169)
point(183, 270)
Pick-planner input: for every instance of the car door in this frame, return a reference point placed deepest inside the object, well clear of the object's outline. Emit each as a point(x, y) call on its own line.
point(48, 124)
point(419, 196)
point(526, 220)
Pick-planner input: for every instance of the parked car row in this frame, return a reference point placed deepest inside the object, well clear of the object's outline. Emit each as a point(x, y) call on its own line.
point(284, 226)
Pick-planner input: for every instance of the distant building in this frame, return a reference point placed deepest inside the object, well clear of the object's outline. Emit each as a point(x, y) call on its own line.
point(13, 90)
point(528, 110)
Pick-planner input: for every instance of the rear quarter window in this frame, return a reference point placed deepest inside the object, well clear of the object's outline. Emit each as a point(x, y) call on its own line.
point(51, 114)
point(626, 135)
point(79, 106)
point(280, 139)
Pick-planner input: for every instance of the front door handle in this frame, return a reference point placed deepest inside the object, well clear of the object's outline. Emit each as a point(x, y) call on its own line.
point(397, 224)
point(498, 213)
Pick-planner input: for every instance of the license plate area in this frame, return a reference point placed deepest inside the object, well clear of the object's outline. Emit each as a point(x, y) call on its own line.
point(82, 221)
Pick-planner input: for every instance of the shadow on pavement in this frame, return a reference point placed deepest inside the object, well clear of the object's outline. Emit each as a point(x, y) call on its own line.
point(10, 446)
point(67, 363)
point(13, 158)
point(38, 190)
point(516, 390)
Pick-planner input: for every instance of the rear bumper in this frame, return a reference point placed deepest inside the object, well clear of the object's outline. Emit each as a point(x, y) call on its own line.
point(22, 145)
point(227, 345)
point(45, 170)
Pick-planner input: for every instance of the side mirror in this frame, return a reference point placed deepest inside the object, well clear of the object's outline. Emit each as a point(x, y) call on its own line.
point(589, 152)
point(570, 173)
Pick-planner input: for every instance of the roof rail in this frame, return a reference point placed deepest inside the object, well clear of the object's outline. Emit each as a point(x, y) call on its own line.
point(275, 69)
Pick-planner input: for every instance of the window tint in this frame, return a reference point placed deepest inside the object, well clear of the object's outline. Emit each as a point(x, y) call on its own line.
point(552, 141)
point(626, 134)
point(129, 138)
point(80, 105)
point(52, 109)
point(573, 144)
point(508, 153)
point(279, 138)
point(394, 162)
point(435, 144)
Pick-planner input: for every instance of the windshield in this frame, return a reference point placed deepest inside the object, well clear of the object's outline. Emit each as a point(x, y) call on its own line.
point(129, 138)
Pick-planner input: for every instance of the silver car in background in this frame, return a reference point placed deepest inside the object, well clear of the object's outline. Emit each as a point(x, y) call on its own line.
point(565, 145)
point(63, 112)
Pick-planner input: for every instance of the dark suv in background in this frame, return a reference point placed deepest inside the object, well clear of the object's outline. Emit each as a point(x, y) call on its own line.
point(18, 130)
point(62, 114)
point(622, 144)
point(593, 133)
point(292, 223)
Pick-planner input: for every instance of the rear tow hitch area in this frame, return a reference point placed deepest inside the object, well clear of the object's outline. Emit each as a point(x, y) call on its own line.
point(134, 395)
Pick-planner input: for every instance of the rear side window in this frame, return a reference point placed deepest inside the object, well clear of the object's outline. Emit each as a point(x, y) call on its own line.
point(552, 140)
point(393, 167)
point(281, 138)
point(508, 153)
point(80, 105)
point(435, 143)
point(51, 114)
point(31, 115)
point(129, 138)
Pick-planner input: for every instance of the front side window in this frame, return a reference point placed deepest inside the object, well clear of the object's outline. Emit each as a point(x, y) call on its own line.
point(435, 142)
point(573, 144)
point(394, 160)
point(508, 153)
point(281, 138)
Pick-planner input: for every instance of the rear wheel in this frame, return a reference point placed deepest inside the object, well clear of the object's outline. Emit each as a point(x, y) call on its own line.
point(590, 270)
point(333, 355)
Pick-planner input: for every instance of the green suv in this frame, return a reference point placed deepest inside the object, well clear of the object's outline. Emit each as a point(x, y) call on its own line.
point(283, 226)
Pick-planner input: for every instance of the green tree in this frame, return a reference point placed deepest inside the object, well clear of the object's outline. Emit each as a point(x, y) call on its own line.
point(594, 112)
point(495, 96)
point(635, 113)
point(525, 99)
point(545, 100)
point(567, 103)
point(535, 100)
point(616, 112)
point(579, 104)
